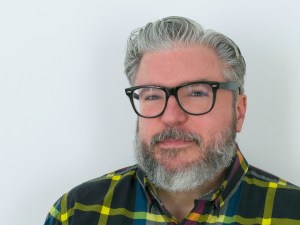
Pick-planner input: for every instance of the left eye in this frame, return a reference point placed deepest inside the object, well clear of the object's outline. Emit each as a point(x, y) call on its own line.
point(199, 94)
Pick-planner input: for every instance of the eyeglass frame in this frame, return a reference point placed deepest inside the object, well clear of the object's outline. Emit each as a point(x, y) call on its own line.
point(229, 85)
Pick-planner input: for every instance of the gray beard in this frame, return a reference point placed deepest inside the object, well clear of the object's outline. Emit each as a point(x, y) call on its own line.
point(215, 157)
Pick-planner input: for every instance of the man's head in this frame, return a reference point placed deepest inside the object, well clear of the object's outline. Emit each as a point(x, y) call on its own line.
point(195, 111)
point(170, 32)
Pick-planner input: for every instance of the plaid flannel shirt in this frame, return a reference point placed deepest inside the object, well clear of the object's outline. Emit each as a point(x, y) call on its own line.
point(247, 196)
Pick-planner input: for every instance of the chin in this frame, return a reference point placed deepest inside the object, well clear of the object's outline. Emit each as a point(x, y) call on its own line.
point(177, 165)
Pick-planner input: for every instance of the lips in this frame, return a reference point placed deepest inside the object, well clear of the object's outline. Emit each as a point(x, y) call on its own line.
point(174, 143)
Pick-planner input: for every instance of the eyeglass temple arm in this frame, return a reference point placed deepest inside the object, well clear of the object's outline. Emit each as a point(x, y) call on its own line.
point(231, 85)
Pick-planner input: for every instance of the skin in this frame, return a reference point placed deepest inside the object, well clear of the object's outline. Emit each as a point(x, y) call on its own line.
point(170, 68)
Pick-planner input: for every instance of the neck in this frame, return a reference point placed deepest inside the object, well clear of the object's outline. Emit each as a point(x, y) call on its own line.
point(179, 204)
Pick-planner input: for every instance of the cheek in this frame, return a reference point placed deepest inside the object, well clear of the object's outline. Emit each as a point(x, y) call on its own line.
point(208, 126)
point(223, 112)
point(147, 128)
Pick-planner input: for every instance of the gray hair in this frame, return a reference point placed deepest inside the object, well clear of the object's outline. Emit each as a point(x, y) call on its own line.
point(174, 31)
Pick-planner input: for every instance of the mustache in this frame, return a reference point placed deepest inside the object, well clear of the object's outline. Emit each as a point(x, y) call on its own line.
point(176, 134)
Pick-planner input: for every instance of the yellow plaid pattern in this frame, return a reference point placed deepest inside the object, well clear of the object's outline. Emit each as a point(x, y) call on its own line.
point(247, 196)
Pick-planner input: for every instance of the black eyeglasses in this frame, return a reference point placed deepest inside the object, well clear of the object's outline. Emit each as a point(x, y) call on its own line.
point(195, 98)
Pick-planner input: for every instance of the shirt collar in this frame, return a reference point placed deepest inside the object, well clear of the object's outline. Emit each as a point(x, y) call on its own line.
point(235, 173)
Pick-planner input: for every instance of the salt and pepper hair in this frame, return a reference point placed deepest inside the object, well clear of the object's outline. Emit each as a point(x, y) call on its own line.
point(176, 31)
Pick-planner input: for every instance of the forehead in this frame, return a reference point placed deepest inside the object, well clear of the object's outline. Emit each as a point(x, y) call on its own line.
point(179, 65)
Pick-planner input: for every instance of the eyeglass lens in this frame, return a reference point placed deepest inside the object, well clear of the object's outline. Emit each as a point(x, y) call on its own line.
point(193, 98)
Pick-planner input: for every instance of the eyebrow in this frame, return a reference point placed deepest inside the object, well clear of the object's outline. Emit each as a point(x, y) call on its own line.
point(182, 83)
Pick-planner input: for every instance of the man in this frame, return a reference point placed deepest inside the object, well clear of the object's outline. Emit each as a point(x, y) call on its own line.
point(187, 90)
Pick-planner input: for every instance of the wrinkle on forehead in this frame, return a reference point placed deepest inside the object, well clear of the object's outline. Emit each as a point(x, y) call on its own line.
point(171, 67)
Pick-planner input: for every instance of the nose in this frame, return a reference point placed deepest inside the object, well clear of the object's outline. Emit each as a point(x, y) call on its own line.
point(173, 114)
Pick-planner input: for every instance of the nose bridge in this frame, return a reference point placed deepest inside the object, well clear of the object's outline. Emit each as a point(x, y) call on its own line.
point(173, 113)
point(172, 92)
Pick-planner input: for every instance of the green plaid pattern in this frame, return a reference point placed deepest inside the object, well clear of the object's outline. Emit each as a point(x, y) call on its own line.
point(247, 196)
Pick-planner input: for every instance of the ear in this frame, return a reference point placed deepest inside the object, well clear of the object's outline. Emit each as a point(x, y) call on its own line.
point(241, 107)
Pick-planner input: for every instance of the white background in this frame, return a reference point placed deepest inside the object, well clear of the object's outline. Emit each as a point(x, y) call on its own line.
point(64, 116)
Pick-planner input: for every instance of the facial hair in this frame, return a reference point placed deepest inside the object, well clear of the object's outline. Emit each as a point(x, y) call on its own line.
point(215, 157)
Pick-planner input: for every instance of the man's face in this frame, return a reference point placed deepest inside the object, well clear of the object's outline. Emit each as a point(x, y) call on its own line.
point(177, 66)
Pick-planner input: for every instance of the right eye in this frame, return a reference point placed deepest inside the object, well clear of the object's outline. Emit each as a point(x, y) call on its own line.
point(151, 94)
point(151, 97)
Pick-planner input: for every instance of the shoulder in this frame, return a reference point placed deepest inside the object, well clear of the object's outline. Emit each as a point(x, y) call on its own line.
point(274, 192)
point(105, 182)
point(97, 188)
point(259, 177)
point(90, 195)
